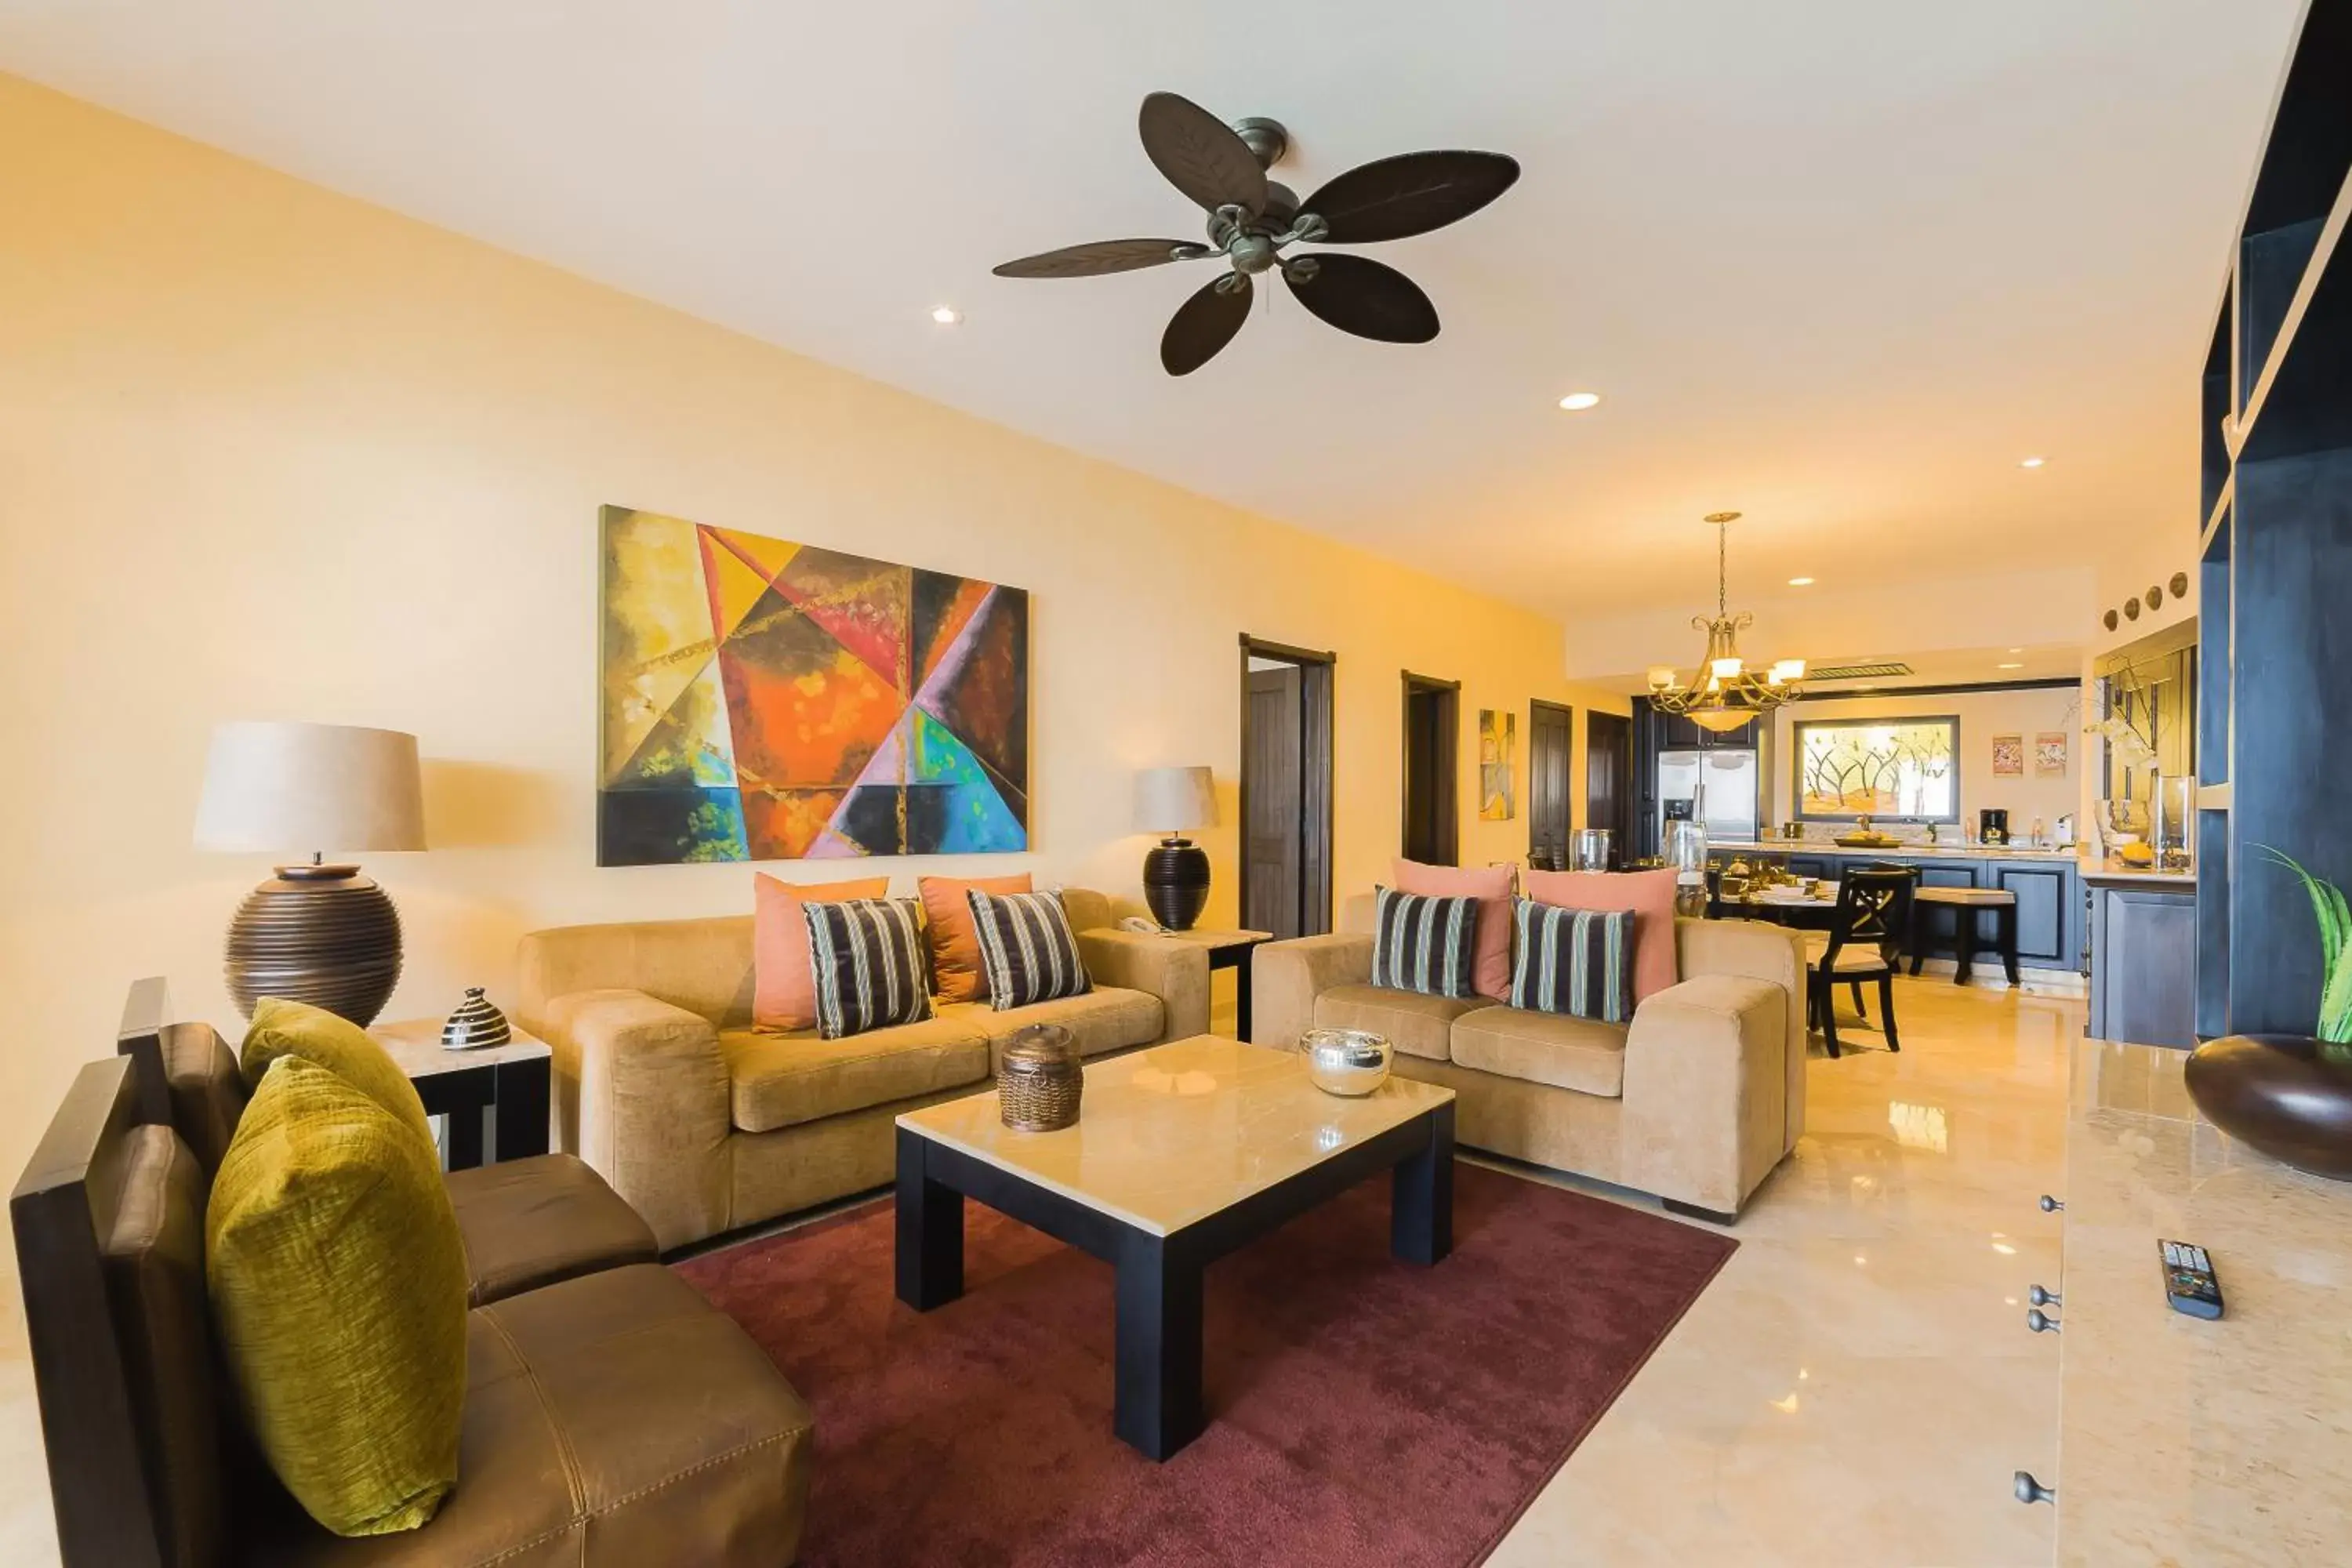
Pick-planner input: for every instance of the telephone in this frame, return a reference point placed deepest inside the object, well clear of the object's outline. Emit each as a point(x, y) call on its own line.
point(1142, 925)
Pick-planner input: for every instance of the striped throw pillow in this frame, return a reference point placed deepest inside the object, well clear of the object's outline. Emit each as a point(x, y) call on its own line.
point(1578, 962)
point(1425, 943)
point(866, 957)
point(1027, 951)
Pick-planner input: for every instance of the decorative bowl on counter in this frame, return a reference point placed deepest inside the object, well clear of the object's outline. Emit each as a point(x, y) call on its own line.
point(1352, 1062)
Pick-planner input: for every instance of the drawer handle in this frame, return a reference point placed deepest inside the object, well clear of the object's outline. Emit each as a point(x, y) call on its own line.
point(2050, 1205)
point(2038, 1297)
point(2028, 1489)
point(2040, 1322)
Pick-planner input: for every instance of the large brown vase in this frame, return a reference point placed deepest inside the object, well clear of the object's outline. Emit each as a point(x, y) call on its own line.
point(2278, 1093)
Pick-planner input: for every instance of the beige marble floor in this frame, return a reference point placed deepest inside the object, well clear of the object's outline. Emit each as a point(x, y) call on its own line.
point(1854, 1388)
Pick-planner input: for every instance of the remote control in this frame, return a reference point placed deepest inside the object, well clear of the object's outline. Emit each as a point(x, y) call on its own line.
point(2188, 1281)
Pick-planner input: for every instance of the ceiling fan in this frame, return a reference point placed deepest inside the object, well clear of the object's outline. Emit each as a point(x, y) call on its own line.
point(1252, 220)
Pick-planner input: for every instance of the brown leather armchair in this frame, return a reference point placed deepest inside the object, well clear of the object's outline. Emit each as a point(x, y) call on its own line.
point(612, 1416)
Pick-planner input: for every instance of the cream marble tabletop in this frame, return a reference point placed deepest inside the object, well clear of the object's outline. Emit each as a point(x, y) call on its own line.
point(1170, 1135)
point(2181, 1441)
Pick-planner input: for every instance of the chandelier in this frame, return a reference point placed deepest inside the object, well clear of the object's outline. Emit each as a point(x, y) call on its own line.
point(1723, 694)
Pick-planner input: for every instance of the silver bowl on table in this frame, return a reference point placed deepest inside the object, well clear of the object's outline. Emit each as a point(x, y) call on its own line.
point(1352, 1062)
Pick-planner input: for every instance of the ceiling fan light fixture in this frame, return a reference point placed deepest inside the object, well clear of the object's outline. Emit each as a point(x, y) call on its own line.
point(1253, 221)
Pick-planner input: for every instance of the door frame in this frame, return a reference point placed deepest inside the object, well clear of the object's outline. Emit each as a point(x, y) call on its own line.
point(1628, 812)
point(1567, 711)
point(1316, 692)
point(1448, 775)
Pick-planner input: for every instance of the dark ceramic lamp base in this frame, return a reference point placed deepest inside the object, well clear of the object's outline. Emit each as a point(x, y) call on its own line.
point(2279, 1094)
point(321, 934)
point(1176, 883)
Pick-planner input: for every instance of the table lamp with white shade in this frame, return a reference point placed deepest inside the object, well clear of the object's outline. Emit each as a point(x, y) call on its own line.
point(321, 933)
point(1176, 873)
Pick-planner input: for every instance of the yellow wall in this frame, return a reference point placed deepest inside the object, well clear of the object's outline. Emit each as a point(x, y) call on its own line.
point(267, 452)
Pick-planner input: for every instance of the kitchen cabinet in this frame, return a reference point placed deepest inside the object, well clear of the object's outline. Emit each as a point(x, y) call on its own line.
point(2046, 900)
point(2143, 946)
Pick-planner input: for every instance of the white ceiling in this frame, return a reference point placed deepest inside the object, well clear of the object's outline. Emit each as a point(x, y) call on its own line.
point(1839, 264)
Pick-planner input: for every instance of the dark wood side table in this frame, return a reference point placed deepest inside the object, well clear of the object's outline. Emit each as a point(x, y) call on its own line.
point(497, 1097)
point(1231, 949)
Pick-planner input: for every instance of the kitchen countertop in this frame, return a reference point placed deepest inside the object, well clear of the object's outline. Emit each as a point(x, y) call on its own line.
point(2224, 1444)
point(1919, 851)
point(2110, 873)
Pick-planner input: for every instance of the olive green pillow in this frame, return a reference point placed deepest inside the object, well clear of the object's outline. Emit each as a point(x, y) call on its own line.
point(337, 1287)
point(283, 1028)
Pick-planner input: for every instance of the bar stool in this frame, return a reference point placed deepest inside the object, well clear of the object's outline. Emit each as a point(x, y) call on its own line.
point(1966, 903)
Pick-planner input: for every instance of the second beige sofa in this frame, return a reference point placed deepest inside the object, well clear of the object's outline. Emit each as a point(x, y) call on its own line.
point(706, 1124)
point(1694, 1102)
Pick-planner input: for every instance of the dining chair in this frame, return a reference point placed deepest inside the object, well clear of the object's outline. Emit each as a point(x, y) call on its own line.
point(1864, 943)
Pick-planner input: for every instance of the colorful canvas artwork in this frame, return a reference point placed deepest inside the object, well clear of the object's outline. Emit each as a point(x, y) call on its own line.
point(766, 701)
point(2009, 757)
point(1498, 738)
point(2050, 754)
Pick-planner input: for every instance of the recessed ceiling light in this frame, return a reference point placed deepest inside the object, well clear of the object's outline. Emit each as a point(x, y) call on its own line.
point(2017, 650)
point(1800, 582)
point(2010, 666)
point(946, 315)
point(2033, 462)
point(1577, 402)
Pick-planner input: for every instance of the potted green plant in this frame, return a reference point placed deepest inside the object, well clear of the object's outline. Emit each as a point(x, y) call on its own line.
point(2290, 1095)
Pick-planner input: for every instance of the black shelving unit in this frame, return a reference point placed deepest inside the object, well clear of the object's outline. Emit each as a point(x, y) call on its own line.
point(2275, 575)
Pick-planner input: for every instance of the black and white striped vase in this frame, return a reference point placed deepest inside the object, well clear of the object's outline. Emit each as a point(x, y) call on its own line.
point(475, 1023)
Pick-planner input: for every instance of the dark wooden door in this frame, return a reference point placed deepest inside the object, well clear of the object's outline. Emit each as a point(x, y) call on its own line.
point(1431, 763)
point(1271, 759)
point(1551, 742)
point(1609, 780)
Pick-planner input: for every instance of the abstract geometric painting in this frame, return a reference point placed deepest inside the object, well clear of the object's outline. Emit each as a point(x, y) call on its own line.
point(764, 701)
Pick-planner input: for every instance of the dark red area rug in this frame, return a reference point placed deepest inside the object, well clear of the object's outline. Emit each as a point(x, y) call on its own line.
point(1362, 1410)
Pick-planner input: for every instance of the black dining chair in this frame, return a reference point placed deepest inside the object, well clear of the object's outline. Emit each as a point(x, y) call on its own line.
point(1864, 943)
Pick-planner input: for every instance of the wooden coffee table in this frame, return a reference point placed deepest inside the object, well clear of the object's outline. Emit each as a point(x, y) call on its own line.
point(1181, 1154)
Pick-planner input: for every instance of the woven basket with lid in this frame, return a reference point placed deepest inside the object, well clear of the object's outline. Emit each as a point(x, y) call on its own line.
point(1040, 1082)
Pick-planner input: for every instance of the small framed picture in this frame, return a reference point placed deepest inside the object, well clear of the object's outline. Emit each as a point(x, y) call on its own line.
point(2050, 754)
point(2009, 755)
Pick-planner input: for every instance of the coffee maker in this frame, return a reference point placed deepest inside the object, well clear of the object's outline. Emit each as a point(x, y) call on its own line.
point(1993, 824)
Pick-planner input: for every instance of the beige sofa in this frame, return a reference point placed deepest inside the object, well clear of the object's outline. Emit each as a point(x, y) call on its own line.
point(706, 1124)
point(1694, 1102)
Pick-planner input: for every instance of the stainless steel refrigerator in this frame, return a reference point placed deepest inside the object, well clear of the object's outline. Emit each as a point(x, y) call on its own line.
point(1720, 783)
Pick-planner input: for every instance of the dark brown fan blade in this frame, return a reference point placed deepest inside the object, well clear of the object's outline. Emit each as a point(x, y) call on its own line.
point(1205, 323)
point(1359, 295)
point(1096, 256)
point(1410, 193)
point(1201, 154)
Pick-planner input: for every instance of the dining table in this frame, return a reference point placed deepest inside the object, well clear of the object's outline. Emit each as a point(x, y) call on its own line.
point(1786, 903)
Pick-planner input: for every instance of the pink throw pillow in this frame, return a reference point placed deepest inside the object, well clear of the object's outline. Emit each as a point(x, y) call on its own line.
point(1648, 894)
point(784, 991)
point(1491, 885)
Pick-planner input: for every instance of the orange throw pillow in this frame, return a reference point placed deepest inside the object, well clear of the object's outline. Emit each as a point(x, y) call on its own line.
point(783, 992)
point(1648, 894)
point(955, 940)
point(1490, 974)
